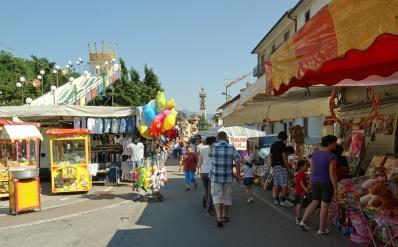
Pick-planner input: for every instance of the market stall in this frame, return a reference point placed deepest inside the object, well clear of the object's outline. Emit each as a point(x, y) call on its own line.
point(19, 173)
point(69, 152)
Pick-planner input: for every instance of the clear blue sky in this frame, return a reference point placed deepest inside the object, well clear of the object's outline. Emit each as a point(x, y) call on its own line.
point(187, 43)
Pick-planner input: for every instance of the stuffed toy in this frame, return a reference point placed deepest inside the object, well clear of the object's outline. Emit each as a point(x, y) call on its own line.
point(388, 201)
point(370, 199)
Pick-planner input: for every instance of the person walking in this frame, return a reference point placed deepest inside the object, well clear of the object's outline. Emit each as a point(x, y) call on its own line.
point(248, 178)
point(301, 187)
point(205, 163)
point(221, 176)
point(190, 161)
point(279, 163)
point(324, 182)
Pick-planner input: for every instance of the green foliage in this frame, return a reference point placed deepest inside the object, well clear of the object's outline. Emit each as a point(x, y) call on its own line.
point(202, 123)
point(130, 90)
point(12, 68)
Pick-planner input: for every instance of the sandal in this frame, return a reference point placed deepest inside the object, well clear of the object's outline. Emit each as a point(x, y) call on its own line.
point(225, 219)
point(220, 222)
point(323, 232)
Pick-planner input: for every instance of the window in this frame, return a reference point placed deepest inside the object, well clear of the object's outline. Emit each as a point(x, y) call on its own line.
point(273, 49)
point(305, 126)
point(307, 16)
point(287, 35)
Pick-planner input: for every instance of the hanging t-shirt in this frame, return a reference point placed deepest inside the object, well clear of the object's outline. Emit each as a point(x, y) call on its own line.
point(98, 126)
point(91, 124)
point(115, 125)
point(122, 126)
point(130, 124)
point(84, 123)
point(107, 125)
point(76, 123)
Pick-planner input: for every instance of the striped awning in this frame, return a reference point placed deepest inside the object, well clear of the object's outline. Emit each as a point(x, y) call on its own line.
point(347, 39)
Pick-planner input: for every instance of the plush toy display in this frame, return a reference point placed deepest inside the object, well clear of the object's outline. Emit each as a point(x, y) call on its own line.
point(370, 199)
point(388, 201)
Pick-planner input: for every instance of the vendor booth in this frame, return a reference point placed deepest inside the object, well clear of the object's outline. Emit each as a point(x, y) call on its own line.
point(19, 173)
point(69, 152)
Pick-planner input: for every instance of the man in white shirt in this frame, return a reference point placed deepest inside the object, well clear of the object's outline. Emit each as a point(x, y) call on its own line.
point(134, 153)
point(206, 162)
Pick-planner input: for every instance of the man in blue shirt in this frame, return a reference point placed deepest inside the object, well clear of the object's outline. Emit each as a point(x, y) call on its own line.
point(221, 175)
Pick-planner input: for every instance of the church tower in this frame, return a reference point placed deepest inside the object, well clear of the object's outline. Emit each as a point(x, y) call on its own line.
point(202, 96)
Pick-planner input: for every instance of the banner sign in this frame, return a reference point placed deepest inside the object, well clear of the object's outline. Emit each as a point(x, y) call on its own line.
point(239, 142)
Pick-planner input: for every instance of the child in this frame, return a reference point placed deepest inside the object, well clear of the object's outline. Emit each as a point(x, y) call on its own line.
point(189, 162)
point(248, 179)
point(301, 187)
point(136, 176)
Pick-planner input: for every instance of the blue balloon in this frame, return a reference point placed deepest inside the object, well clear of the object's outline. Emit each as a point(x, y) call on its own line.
point(163, 139)
point(148, 114)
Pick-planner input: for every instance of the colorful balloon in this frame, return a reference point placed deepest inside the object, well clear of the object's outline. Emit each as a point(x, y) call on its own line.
point(144, 131)
point(156, 127)
point(170, 121)
point(170, 104)
point(160, 101)
point(148, 113)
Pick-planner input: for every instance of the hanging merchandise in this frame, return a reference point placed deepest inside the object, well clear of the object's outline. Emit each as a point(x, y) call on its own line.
point(91, 125)
point(115, 126)
point(84, 123)
point(357, 141)
point(98, 126)
point(389, 124)
point(130, 124)
point(107, 125)
point(76, 123)
point(122, 127)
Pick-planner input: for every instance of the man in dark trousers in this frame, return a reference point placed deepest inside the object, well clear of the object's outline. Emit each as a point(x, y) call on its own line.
point(279, 163)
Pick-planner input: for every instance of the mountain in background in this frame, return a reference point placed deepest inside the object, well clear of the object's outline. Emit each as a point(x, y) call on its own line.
point(188, 113)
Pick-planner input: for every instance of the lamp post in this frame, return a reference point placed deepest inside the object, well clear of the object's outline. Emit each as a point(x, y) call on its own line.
point(42, 72)
point(28, 101)
point(56, 71)
point(53, 88)
point(21, 82)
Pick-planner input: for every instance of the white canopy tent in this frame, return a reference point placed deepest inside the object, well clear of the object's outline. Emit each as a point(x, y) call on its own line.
point(42, 112)
point(233, 131)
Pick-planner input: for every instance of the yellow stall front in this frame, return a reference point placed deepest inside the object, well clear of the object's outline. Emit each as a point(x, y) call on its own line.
point(70, 150)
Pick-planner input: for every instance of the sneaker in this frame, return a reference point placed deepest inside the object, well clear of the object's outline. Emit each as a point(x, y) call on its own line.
point(276, 202)
point(323, 232)
point(286, 204)
point(304, 226)
point(298, 220)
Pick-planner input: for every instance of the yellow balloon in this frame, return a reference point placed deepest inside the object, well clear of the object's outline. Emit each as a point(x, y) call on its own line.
point(170, 121)
point(171, 103)
point(144, 131)
point(160, 101)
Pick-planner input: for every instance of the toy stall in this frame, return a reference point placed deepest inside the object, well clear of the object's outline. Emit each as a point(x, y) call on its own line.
point(69, 155)
point(19, 172)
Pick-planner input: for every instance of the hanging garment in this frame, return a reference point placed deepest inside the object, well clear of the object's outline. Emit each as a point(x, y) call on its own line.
point(115, 125)
point(122, 126)
point(76, 123)
point(107, 125)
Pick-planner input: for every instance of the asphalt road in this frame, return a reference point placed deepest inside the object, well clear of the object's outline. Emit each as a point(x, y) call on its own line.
point(177, 221)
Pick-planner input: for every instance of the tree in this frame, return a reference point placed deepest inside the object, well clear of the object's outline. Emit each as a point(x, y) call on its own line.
point(130, 90)
point(202, 123)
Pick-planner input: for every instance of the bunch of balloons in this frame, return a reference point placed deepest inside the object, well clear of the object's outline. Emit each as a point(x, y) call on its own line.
point(159, 119)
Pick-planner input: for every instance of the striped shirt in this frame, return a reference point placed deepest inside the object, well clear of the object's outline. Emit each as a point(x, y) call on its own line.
point(223, 155)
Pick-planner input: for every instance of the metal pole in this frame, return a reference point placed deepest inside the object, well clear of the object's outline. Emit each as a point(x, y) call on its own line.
point(42, 85)
point(22, 93)
point(226, 93)
point(57, 80)
point(54, 96)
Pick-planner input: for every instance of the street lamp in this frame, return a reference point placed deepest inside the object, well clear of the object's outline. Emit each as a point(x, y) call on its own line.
point(53, 88)
point(42, 72)
point(28, 101)
point(56, 71)
point(20, 84)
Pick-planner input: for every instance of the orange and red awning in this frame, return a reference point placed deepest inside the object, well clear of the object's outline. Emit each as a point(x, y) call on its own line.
point(347, 39)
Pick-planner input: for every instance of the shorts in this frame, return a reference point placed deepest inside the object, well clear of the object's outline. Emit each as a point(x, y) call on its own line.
point(280, 176)
point(248, 181)
point(303, 200)
point(221, 193)
point(189, 177)
point(322, 192)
